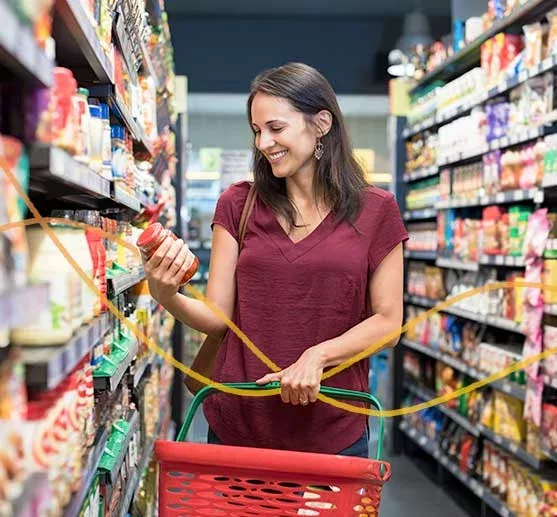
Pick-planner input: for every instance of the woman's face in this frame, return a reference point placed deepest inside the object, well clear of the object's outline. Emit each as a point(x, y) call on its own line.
point(283, 136)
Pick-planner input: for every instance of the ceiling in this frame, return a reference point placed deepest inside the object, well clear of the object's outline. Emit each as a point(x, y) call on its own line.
point(304, 7)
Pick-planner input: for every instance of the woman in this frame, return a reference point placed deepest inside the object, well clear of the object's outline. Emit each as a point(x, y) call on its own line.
point(318, 280)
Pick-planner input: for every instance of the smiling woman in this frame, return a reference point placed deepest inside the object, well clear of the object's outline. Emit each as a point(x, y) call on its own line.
point(315, 278)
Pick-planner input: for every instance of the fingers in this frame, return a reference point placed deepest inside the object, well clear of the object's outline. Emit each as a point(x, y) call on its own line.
point(266, 379)
point(178, 264)
point(171, 254)
point(155, 261)
point(298, 392)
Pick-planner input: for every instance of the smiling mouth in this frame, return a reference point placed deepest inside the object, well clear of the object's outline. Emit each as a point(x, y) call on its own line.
point(274, 157)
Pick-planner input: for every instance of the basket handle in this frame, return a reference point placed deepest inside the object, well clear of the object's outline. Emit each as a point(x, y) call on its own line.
point(336, 393)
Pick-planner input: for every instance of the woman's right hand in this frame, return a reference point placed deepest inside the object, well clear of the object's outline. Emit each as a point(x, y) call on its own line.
point(166, 268)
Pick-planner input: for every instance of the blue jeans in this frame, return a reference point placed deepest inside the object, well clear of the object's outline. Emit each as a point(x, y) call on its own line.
point(360, 448)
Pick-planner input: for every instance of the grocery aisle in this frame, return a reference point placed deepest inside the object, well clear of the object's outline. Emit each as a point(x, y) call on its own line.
point(478, 192)
point(88, 125)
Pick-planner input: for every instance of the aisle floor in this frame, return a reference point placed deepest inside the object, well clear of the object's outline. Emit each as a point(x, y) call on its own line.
point(409, 493)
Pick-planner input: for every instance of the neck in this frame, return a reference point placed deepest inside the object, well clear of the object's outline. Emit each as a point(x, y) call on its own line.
point(299, 187)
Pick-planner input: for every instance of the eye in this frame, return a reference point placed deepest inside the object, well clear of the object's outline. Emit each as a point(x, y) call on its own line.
point(276, 129)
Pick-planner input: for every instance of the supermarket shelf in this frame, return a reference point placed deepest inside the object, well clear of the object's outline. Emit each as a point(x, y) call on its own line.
point(425, 213)
point(131, 487)
point(420, 300)
point(500, 198)
point(46, 367)
point(550, 181)
point(21, 305)
point(426, 172)
point(121, 111)
point(141, 369)
point(112, 382)
point(457, 264)
point(418, 127)
point(142, 465)
point(90, 471)
point(504, 324)
point(112, 475)
point(426, 395)
point(493, 321)
point(466, 57)
point(510, 388)
point(481, 97)
point(123, 198)
point(512, 447)
point(551, 309)
point(122, 283)
point(133, 483)
point(137, 131)
point(82, 31)
point(55, 165)
point(35, 483)
point(19, 51)
point(425, 442)
point(503, 385)
point(502, 143)
point(420, 255)
point(500, 260)
point(148, 64)
point(551, 454)
point(432, 448)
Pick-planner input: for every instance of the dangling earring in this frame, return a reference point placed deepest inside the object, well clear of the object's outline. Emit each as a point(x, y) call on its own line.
point(319, 149)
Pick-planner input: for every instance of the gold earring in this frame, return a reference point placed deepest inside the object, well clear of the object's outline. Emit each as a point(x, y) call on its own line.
point(319, 149)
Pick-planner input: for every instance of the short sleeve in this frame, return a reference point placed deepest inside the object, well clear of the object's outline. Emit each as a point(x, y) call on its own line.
point(389, 233)
point(229, 207)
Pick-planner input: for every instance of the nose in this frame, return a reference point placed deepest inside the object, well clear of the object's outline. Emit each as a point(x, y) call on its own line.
point(265, 141)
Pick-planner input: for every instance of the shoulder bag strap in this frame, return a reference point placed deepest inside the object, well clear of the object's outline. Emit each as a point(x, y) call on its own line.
point(246, 212)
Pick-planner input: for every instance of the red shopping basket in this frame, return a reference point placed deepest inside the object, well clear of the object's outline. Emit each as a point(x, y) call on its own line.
point(219, 480)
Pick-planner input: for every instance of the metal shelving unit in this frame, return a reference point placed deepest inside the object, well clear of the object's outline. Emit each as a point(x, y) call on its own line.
point(75, 27)
point(532, 11)
point(431, 447)
point(20, 53)
point(59, 180)
point(420, 255)
point(462, 60)
point(74, 506)
point(46, 367)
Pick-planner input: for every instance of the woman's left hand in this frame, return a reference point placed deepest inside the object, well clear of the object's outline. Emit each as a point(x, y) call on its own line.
point(300, 382)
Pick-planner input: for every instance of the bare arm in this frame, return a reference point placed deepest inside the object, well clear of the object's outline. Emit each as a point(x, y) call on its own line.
point(165, 269)
point(300, 382)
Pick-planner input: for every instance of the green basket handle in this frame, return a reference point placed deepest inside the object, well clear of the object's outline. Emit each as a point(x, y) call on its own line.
point(336, 393)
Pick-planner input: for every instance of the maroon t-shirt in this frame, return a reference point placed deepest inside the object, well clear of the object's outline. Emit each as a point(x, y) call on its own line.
point(290, 297)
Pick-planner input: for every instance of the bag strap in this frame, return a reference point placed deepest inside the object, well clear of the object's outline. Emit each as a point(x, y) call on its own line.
point(246, 212)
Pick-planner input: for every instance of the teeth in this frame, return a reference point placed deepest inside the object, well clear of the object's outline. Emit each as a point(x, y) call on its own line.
point(276, 156)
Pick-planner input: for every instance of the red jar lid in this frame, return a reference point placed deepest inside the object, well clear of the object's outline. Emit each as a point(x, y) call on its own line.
point(149, 235)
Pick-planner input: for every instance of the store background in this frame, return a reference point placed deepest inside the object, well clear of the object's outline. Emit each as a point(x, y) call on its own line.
point(175, 79)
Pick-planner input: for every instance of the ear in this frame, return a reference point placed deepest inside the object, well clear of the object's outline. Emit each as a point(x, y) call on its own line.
point(323, 122)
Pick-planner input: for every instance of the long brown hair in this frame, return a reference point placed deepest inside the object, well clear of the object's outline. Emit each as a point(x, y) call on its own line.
point(339, 179)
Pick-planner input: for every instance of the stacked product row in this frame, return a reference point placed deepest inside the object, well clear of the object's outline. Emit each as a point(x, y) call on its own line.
point(84, 388)
point(479, 171)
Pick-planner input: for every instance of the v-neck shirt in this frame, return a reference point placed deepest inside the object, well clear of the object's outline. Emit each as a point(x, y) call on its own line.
point(291, 296)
